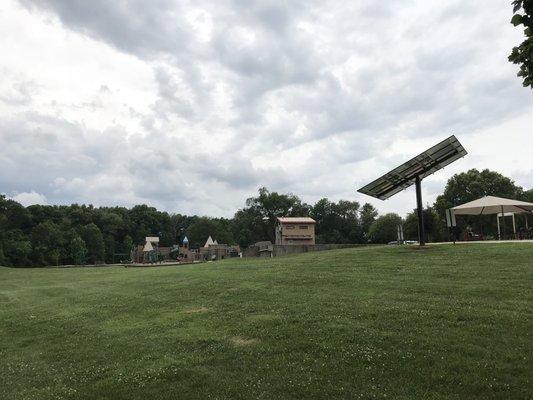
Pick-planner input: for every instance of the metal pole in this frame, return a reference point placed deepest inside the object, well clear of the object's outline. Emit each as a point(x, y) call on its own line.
point(398, 234)
point(421, 233)
point(454, 225)
point(503, 218)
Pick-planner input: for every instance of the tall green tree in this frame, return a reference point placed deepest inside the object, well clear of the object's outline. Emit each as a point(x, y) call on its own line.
point(245, 229)
point(13, 215)
point(523, 53)
point(203, 227)
point(434, 226)
point(47, 243)
point(262, 211)
point(3, 260)
point(16, 248)
point(528, 196)
point(473, 184)
point(368, 215)
point(337, 222)
point(385, 228)
point(127, 244)
point(94, 240)
point(78, 250)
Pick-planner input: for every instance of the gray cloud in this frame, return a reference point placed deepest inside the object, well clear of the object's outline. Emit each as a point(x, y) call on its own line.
point(316, 89)
point(132, 26)
point(293, 66)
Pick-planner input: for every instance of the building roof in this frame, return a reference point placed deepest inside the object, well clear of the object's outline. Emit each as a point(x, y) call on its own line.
point(148, 246)
point(296, 220)
point(209, 242)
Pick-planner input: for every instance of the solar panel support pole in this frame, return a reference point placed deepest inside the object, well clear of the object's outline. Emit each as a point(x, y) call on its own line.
point(419, 210)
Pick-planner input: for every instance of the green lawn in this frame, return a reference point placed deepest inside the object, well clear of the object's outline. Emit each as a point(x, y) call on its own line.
point(449, 322)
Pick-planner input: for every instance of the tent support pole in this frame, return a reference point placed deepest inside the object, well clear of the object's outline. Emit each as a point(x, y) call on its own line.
point(503, 218)
point(419, 210)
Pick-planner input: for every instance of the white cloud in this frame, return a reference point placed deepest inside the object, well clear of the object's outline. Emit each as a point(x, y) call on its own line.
point(30, 198)
point(191, 106)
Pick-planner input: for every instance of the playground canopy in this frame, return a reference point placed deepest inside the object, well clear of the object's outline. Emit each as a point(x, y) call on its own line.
point(493, 205)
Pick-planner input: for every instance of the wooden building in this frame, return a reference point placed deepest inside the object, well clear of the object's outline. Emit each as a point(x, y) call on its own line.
point(295, 230)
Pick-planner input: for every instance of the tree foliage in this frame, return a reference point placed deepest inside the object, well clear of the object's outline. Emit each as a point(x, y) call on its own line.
point(434, 226)
point(203, 227)
point(368, 215)
point(385, 228)
point(47, 243)
point(77, 234)
point(523, 53)
point(257, 220)
point(48, 235)
point(528, 196)
point(78, 250)
point(473, 184)
point(94, 240)
point(337, 222)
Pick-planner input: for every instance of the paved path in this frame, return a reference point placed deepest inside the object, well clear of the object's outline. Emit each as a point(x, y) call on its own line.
point(484, 242)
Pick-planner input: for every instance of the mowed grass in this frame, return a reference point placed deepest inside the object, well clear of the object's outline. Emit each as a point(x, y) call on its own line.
point(449, 322)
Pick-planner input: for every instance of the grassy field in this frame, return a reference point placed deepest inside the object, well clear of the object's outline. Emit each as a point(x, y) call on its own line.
point(449, 322)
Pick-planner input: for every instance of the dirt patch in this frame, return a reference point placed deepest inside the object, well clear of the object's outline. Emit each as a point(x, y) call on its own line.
point(196, 310)
point(241, 341)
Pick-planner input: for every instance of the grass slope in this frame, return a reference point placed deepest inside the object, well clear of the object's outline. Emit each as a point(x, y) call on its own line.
point(450, 322)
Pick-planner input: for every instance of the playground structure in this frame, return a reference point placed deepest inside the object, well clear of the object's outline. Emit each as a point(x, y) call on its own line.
point(151, 252)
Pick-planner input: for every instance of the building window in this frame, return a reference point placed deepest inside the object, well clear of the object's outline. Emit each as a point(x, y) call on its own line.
point(289, 227)
point(304, 227)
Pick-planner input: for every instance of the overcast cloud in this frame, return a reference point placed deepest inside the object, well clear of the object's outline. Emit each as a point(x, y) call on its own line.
point(190, 106)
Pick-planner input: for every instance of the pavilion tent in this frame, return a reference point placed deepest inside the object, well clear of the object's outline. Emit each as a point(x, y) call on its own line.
point(494, 205)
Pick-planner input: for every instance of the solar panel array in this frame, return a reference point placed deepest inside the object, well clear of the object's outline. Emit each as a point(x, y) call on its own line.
point(426, 163)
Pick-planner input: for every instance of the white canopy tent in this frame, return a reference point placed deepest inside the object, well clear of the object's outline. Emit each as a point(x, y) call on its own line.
point(494, 205)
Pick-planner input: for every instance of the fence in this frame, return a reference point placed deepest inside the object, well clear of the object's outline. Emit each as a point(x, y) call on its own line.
point(276, 250)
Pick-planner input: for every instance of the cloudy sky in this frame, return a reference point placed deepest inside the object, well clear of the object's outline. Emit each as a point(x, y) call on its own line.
point(190, 106)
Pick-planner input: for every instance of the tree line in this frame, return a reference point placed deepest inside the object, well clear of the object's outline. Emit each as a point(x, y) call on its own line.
point(41, 235)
